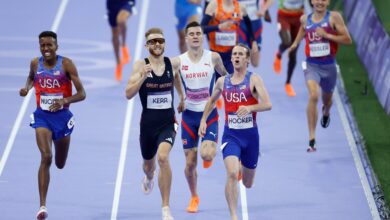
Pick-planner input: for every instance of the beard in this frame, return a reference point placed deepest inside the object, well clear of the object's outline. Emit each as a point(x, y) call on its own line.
point(153, 53)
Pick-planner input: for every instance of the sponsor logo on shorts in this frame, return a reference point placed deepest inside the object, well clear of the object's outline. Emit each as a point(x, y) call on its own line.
point(169, 140)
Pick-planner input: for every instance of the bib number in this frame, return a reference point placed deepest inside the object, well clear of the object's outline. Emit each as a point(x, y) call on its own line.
point(46, 100)
point(319, 49)
point(235, 122)
point(225, 38)
point(159, 101)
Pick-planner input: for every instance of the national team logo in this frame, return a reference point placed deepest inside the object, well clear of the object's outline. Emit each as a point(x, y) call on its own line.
point(57, 73)
point(184, 141)
point(184, 67)
point(324, 25)
point(242, 87)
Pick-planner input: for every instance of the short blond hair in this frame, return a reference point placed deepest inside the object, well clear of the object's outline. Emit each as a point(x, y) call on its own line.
point(154, 30)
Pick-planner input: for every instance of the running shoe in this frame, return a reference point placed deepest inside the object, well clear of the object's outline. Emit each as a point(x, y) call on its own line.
point(193, 206)
point(126, 56)
point(166, 213)
point(42, 213)
point(207, 164)
point(311, 149)
point(277, 65)
point(325, 120)
point(147, 185)
point(289, 90)
point(239, 176)
point(219, 103)
point(118, 72)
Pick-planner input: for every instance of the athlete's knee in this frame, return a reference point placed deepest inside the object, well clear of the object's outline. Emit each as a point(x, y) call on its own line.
point(163, 159)
point(232, 175)
point(60, 164)
point(247, 182)
point(191, 165)
point(148, 167)
point(46, 158)
point(313, 96)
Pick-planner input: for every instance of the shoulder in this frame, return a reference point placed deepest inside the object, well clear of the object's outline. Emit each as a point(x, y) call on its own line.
point(35, 61)
point(303, 18)
point(139, 63)
point(175, 61)
point(256, 78)
point(66, 60)
point(211, 7)
point(336, 16)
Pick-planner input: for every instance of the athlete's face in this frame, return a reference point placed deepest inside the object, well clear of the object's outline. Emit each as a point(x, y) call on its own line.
point(239, 57)
point(194, 37)
point(320, 5)
point(155, 44)
point(48, 47)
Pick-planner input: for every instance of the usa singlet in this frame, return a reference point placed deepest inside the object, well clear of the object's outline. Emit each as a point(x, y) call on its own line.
point(319, 50)
point(51, 84)
point(240, 137)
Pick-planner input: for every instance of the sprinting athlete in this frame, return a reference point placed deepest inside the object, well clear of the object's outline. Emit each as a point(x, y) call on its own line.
point(244, 94)
point(196, 67)
point(323, 31)
point(52, 77)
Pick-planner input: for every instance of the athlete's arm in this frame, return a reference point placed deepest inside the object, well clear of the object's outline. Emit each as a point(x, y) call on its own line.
point(139, 74)
point(208, 16)
point(300, 35)
point(342, 36)
point(176, 71)
point(71, 71)
point(260, 93)
point(264, 7)
point(218, 64)
point(30, 79)
point(210, 105)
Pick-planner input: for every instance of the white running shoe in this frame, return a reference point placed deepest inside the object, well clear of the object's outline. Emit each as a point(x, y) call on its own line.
point(42, 213)
point(166, 213)
point(147, 185)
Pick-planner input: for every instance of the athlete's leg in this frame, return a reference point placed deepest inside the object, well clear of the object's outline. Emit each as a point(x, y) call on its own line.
point(248, 176)
point(190, 170)
point(327, 102)
point(232, 165)
point(285, 37)
point(292, 62)
point(208, 150)
point(62, 148)
point(149, 166)
point(311, 111)
point(116, 43)
point(165, 174)
point(122, 17)
point(44, 141)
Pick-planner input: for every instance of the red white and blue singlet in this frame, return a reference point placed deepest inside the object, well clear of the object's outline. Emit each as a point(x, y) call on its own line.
point(236, 96)
point(319, 50)
point(51, 84)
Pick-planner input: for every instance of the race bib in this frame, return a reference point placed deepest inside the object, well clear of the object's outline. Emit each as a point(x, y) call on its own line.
point(235, 122)
point(159, 101)
point(46, 100)
point(198, 95)
point(225, 38)
point(319, 49)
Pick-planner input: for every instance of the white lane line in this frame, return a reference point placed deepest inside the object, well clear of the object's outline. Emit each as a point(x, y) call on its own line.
point(26, 100)
point(129, 112)
point(356, 157)
point(244, 206)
